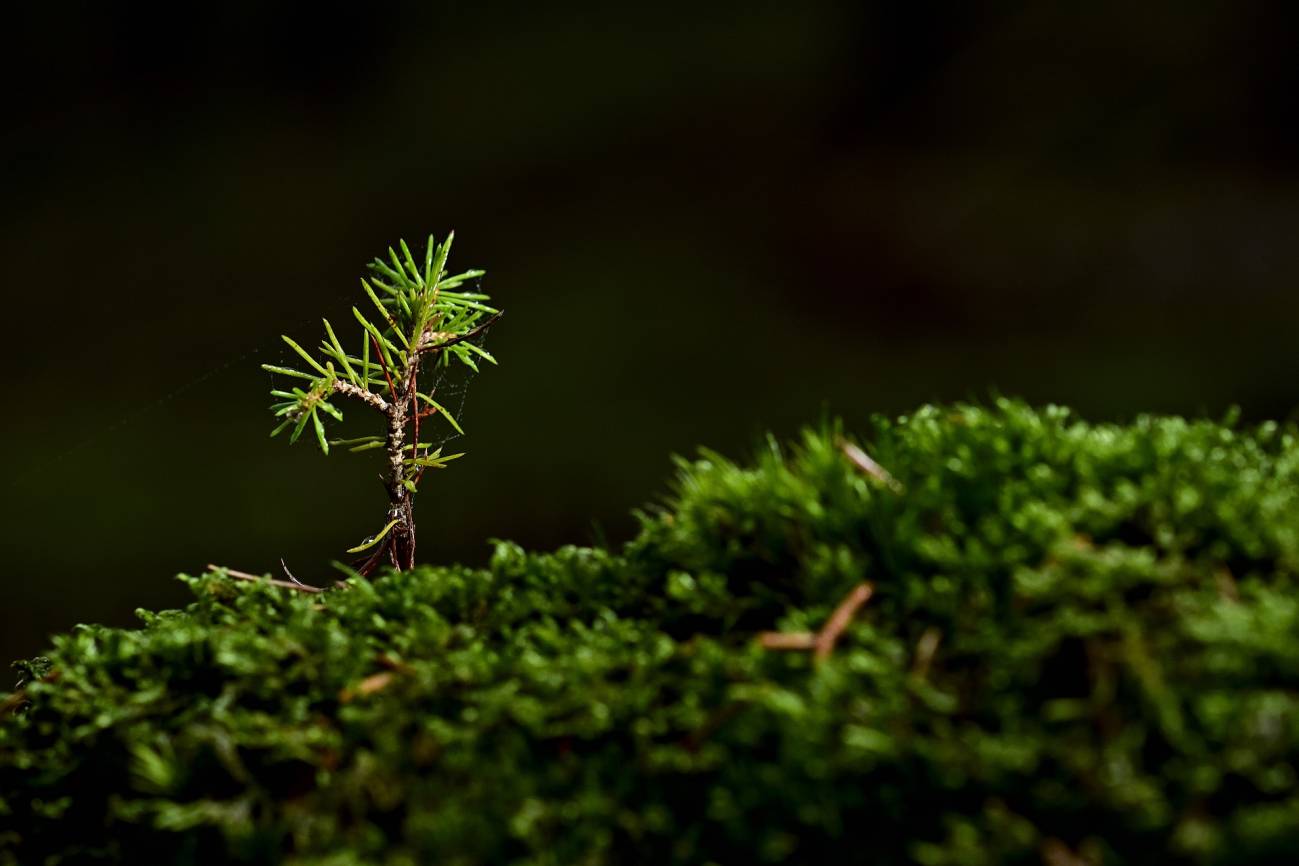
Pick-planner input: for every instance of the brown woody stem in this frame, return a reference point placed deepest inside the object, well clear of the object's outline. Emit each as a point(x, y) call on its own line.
point(400, 409)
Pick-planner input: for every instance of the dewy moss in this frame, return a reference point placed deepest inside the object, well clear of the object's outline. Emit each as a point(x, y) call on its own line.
point(424, 316)
point(1081, 649)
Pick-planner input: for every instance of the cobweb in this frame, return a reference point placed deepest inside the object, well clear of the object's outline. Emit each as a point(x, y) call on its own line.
point(450, 388)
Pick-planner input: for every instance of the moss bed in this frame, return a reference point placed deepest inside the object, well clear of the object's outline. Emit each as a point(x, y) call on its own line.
point(1082, 648)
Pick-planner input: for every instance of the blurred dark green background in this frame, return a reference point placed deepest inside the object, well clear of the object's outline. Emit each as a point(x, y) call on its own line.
point(704, 221)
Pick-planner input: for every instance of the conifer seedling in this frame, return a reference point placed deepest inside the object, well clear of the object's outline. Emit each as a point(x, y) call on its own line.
point(420, 319)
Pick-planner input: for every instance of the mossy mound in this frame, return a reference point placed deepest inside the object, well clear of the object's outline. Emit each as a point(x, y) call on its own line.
point(1083, 643)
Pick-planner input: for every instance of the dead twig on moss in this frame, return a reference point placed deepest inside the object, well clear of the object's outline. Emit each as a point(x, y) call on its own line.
point(839, 620)
point(787, 640)
point(823, 641)
point(368, 686)
point(867, 464)
point(243, 575)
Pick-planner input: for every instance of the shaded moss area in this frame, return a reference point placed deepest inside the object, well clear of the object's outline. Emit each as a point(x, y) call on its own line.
point(1082, 644)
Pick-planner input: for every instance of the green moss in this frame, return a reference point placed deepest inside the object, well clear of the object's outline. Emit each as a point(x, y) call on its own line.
point(1115, 673)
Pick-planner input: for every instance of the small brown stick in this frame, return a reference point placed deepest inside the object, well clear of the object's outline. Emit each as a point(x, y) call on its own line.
point(366, 566)
point(824, 640)
point(781, 640)
point(392, 550)
point(368, 686)
point(299, 583)
point(243, 575)
point(866, 464)
point(839, 620)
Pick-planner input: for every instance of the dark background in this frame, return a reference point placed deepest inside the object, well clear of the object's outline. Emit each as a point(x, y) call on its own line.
point(705, 222)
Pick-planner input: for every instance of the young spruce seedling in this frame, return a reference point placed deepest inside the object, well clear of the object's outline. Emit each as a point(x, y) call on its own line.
point(423, 317)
